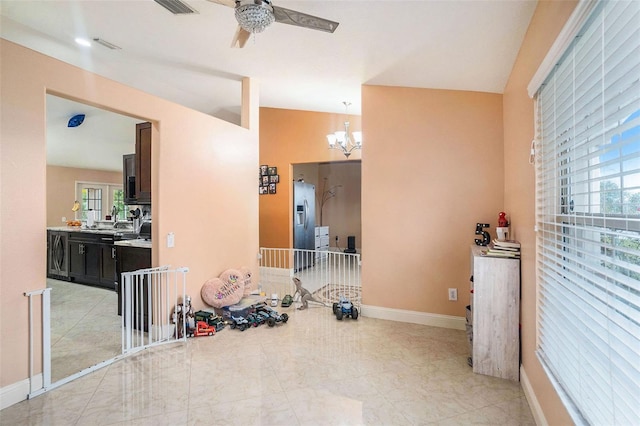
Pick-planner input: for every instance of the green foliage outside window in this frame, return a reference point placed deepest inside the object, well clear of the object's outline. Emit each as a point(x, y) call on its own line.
point(118, 201)
point(622, 246)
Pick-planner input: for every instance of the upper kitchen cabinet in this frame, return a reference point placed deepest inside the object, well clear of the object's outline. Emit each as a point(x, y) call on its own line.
point(136, 168)
point(143, 163)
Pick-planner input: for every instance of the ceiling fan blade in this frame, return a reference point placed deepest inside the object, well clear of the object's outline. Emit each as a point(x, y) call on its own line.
point(292, 17)
point(230, 3)
point(240, 38)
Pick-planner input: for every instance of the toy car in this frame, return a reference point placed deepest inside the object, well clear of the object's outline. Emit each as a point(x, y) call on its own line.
point(211, 319)
point(271, 317)
point(287, 301)
point(239, 322)
point(344, 309)
point(217, 322)
point(274, 300)
point(201, 329)
point(255, 319)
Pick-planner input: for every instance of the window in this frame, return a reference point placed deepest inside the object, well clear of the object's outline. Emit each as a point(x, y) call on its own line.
point(101, 197)
point(588, 218)
point(117, 195)
point(91, 200)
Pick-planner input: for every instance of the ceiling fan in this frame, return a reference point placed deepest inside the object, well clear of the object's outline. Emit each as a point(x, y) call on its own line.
point(255, 16)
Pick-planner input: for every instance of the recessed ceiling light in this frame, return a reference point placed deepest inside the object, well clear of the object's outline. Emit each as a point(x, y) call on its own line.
point(83, 42)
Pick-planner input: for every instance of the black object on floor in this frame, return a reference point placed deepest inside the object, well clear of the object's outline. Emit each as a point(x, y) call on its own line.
point(351, 244)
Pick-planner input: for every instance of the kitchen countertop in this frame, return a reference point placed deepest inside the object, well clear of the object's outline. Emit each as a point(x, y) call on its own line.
point(110, 231)
point(135, 242)
point(138, 242)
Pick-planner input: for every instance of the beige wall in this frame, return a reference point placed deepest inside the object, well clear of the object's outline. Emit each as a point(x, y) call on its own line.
point(432, 167)
point(204, 185)
point(547, 22)
point(290, 137)
point(61, 189)
point(343, 213)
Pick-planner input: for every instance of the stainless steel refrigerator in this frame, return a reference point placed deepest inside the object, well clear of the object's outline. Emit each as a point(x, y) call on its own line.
point(304, 223)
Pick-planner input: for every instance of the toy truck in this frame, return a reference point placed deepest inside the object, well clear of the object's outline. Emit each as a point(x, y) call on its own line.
point(211, 319)
point(239, 322)
point(345, 309)
point(201, 329)
point(271, 316)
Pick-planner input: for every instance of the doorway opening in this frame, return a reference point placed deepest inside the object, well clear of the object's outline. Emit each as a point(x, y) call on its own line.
point(338, 189)
point(336, 206)
point(84, 165)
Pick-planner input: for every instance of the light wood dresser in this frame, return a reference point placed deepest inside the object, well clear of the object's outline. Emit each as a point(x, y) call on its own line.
point(495, 307)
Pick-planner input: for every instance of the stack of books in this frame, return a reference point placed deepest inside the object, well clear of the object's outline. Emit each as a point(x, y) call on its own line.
point(507, 248)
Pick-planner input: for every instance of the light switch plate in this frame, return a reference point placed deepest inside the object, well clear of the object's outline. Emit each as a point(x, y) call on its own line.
point(171, 241)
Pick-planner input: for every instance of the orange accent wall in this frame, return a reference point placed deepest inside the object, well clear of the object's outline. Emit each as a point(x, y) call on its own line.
point(290, 137)
point(432, 167)
point(61, 189)
point(203, 184)
point(548, 20)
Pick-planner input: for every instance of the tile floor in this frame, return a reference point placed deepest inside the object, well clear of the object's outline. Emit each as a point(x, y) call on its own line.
point(314, 370)
point(85, 327)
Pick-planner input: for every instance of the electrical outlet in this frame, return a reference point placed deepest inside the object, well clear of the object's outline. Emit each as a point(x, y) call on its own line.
point(453, 294)
point(171, 241)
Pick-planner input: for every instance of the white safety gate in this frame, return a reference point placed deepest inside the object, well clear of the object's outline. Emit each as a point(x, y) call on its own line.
point(326, 274)
point(149, 298)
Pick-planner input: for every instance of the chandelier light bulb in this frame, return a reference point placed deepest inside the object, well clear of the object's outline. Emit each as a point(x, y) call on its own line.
point(357, 137)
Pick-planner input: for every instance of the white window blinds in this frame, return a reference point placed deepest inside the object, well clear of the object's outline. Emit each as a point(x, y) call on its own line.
point(588, 219)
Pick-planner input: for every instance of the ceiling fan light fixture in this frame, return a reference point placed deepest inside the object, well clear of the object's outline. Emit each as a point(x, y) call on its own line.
point(254, 17)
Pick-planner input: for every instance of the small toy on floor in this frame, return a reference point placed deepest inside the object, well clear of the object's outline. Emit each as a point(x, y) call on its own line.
point(287, 300)
point(270, 316)
point(201, 329)
point(183, 317)
point(305, 295)
point(345, 309)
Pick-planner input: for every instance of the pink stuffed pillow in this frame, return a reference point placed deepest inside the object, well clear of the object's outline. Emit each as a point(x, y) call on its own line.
point(246, 276)
point(224, 291)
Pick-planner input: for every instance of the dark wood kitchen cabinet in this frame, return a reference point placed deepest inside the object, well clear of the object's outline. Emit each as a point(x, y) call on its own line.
point(143, 163)
point(108, 265)
point(84, 261)
point(136, 168)
point(132, 259)
point(92, 259)
point(57, 255)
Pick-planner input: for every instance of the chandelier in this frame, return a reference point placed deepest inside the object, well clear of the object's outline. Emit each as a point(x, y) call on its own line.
point(254, 16)
point(342, 140)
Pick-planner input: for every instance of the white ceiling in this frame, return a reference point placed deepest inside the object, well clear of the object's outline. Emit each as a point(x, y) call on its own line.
point(187, 59)
point(98, 143)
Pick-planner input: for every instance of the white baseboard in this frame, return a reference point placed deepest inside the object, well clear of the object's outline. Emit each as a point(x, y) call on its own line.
point(17, 392)
point(536, 409)
point(414, 317)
